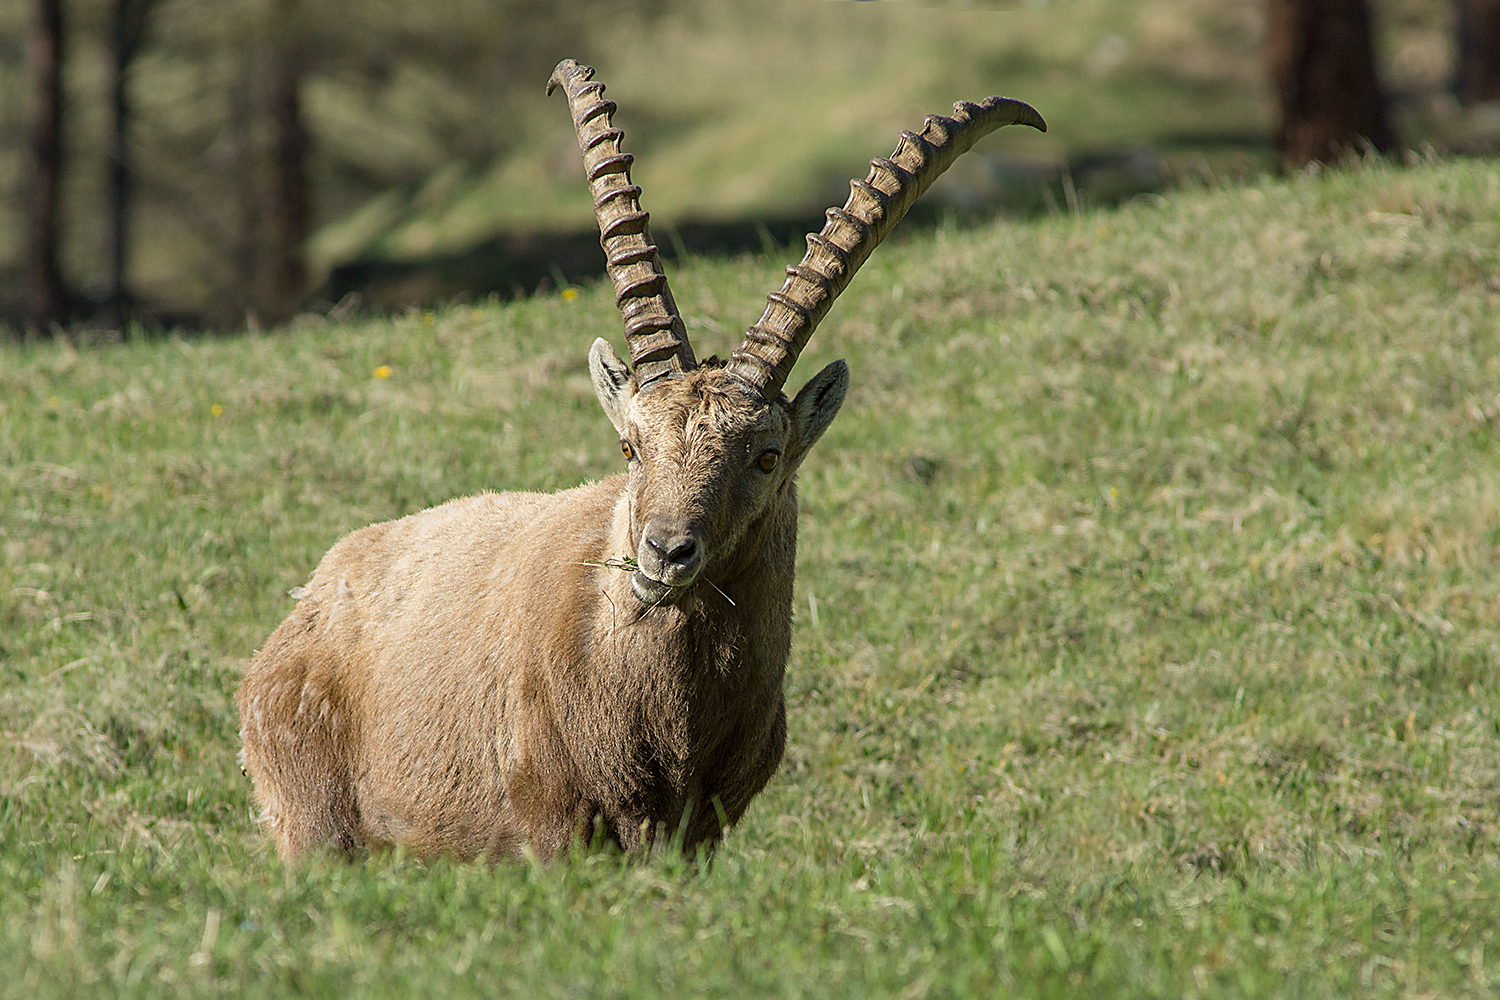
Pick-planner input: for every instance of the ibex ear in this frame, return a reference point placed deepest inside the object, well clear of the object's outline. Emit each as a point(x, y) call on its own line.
point(815, 407)
point(613, 382)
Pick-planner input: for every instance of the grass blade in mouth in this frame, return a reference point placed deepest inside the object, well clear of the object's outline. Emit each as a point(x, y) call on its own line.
point(615, 562)
point(628, 563)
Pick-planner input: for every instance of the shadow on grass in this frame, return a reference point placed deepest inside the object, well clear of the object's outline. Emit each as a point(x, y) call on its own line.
point(517, 264)
point(514, 265)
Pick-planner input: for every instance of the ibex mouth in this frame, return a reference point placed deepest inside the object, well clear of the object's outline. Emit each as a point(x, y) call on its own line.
point(650, 591)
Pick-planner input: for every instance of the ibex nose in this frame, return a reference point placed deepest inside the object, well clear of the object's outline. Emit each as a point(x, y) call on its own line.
point(670, 553)
point(678, 552)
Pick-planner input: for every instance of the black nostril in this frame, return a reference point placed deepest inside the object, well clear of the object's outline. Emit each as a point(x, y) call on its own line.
point(657, 545)
point(683, 551)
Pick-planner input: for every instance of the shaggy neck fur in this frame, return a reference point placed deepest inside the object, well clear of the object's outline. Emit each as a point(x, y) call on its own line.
point(662, 698)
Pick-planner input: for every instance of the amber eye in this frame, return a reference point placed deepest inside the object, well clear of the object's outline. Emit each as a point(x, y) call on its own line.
point(628, 451)
point(768, 460)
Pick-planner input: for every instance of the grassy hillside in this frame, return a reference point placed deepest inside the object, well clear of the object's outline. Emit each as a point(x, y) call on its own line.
point(1147, 642)
point(766, 111)
point(430, 136)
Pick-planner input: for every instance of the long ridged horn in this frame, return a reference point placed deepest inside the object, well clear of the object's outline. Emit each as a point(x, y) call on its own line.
point(654, 332)
point(875, 205)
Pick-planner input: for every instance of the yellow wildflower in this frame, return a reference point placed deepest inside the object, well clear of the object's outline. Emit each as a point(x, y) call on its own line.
point(384, 371)
point(569, 294)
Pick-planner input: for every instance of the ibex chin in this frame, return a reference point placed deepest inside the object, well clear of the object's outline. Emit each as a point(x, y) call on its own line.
point(516, 672)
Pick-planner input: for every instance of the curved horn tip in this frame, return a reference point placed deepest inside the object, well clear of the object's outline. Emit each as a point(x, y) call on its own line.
point(559, 77)
point(1031, 116)
point(1021, 112)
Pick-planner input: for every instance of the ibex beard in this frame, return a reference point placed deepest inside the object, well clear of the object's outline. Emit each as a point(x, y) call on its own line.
point(520, 672)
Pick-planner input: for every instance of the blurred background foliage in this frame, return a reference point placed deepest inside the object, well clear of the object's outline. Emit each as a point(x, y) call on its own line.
point(435, 167)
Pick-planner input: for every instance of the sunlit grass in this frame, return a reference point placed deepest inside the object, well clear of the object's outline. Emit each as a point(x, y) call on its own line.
point(1147, 633)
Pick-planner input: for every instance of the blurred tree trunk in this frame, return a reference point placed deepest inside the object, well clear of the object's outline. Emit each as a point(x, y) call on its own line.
point(283, 269)
point(127, 32)
point(244, 237)
point(45, 301)
point(1478, 77)
point(1322, 65)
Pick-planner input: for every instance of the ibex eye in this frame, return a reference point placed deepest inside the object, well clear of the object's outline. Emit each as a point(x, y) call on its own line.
point(627, 450)
point(768, 460)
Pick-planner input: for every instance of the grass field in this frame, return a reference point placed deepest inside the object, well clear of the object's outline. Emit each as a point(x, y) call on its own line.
point(1148, 626)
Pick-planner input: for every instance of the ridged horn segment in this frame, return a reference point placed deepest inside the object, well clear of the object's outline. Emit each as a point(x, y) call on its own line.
point(875, 205)
point(654, 332)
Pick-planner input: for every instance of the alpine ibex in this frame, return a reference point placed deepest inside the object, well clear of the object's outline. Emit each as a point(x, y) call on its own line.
point(515, 671)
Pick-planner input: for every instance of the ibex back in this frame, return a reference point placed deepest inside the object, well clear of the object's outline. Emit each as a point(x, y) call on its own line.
point(518, 671)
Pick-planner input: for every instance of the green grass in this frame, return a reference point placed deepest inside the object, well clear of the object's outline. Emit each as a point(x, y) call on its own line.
point(1149, 622)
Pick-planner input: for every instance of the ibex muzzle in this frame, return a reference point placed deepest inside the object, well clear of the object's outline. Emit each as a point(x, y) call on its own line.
point(669, 554)
point(446, 684)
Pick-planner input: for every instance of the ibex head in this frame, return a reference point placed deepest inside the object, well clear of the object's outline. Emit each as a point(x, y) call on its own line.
point(711, 448)
point(707, 459)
